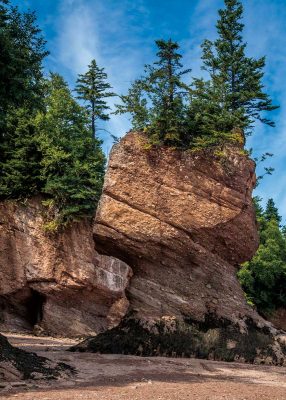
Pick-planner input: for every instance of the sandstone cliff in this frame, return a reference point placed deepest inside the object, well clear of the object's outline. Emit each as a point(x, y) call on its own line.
point(56, 283)
point(183, 222)
point(156, 274)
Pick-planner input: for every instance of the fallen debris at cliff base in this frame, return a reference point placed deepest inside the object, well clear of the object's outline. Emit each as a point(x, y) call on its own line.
point(17, 364)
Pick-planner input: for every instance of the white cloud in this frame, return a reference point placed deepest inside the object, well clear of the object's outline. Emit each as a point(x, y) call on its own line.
point(111, 35)
point(109, 32)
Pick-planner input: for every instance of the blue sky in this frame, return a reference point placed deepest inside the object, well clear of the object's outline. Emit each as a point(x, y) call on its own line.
point(120, 35)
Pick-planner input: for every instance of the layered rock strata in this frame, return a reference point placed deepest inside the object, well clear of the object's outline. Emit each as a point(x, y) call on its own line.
point(57, 284)
point(183, 221)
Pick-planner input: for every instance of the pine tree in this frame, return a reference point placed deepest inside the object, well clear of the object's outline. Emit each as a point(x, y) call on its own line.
point(271, 212)
point(21, 55)
point(235, 84)
point(20, 169)
point(72, 165)
point(167, 92)
point(22, 52)
point(157, 101)
point(136, 105)
point(93, 88)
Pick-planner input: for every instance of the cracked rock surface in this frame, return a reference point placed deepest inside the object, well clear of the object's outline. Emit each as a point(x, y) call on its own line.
point(56, 284)
point(184, 222)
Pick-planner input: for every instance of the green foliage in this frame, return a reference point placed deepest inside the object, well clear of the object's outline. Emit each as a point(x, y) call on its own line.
point(93, 88)
point(208, 112)
point(234, 96)
point(52, 152)
point(20, 163)
point(22, 52)
point(271, 212)
point(264, 277)
point(136, 105)
point(72, 165)
point(157, 101)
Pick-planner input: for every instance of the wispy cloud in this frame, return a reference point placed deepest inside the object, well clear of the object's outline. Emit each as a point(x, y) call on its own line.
point(265, 33)
point(120, 35)
point(111, 35)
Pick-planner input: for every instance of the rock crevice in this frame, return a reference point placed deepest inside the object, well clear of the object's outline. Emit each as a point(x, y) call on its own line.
point(80, 287)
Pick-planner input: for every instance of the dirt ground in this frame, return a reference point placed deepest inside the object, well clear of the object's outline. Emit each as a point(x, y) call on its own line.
point(117, 377)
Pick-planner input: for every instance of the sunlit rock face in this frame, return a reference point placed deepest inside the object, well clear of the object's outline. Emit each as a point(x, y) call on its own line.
point(184, 222)
point(57, 283)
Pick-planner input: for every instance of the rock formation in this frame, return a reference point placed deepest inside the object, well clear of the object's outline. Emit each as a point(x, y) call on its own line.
point(57, 284)
point(184, 222)
point(156, 274)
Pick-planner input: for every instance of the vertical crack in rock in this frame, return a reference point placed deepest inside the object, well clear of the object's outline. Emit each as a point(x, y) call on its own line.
point(56, 284)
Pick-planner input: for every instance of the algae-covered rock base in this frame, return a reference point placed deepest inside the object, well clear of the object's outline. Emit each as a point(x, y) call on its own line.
point(17, 364)
point(213, 339)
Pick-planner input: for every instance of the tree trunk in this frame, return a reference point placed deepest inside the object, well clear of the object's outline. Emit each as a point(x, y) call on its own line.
point(93, 120)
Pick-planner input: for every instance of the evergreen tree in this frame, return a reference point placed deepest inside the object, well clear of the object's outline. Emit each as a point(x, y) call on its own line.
point(22, 52)
point(72, 165)
point(93, 88)
point(271, 212)
point(136, 105)
point(264, 277)
point(20, 170)
point(157, 100)
point(235, 85)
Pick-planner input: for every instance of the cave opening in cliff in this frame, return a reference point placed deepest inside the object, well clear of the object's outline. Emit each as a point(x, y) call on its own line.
point(34, 307)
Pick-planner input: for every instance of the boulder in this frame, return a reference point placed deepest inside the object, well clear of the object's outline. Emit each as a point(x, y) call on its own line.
point(57, 282)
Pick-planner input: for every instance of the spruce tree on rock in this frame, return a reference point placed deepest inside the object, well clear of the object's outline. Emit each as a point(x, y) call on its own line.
point(72, 164)
point(157, 101)
point(167, 92)
point(235, 79)
point(93, 88)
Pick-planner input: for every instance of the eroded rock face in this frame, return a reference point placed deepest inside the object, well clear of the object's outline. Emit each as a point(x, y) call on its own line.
point(183, 222)
point(57, 283)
